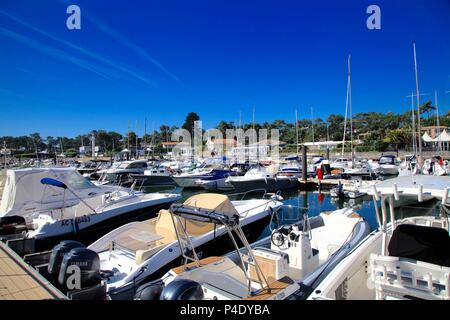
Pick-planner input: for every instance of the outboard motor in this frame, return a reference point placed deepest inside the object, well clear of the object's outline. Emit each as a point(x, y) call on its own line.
point(12, 225)
point(88, 263)
point(182, 289)
point(149, 291)
point(58, 252)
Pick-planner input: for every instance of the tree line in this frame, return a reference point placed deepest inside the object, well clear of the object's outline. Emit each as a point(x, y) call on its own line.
point(376, 130)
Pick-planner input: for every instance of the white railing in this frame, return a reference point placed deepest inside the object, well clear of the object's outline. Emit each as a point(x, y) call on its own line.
point(403, 278)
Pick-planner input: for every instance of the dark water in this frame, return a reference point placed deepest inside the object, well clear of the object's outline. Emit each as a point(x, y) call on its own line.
point(298, 203)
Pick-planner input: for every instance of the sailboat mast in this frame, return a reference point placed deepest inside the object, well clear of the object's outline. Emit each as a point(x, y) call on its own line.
point(413, 126)
point(438, 122)
point(296, 129)
point(351, 108)
point(418, 106)
point(345, 121)
point(312, 125)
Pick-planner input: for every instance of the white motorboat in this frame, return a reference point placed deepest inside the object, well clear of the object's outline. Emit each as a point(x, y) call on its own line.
point(270, 272)
point(387, 165)
point(138, 252)
point(258, 178)
point(119, 172)
point(54, 204)
point(154, 176)
point(406, 259)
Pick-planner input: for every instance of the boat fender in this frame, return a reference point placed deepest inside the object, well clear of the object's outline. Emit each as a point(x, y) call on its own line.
point(149, 291)
point(182, 289)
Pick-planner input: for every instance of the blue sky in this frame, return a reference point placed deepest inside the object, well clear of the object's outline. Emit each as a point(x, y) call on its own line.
point(162, 59)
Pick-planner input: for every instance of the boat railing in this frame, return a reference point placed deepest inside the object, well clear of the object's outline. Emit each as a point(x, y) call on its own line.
point(245, 193)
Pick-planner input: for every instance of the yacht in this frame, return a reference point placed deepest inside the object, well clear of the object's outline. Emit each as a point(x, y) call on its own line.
point(119, 172)
point(274, 270)
point(188, 179)
point(51, 204)
point(404, 259)
point(216, 180)
point(387, 165)
point(154, 176)
point(258, 178)
point(293, 167)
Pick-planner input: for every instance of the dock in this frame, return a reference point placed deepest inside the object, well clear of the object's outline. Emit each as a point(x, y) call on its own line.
point(19, 281)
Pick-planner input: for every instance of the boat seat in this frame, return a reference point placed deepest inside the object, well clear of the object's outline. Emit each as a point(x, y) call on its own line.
point(427, 244)
point(166, 232)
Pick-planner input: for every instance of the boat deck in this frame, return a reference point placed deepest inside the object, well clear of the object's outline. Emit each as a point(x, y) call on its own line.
point(19, 281)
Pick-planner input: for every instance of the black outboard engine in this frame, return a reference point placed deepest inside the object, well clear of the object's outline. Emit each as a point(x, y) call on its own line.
point(182, 289)
point(149, 291)
point(12, 225)
point(56, 258)
point(84, 261)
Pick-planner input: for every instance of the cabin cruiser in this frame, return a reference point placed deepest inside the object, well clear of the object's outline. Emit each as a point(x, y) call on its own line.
point(293, 167)
point(91, 168)
point(387, 165)
point(139, 252)
point(120, 172)
point(258, 178)
point(154, 176)
point(404, 259)
point(340, 163)
point(216, 180)
point(188, 179)
point(273, 270)
point(46, 205)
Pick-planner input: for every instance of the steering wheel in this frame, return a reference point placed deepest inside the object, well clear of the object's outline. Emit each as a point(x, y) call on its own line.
point(277, 238)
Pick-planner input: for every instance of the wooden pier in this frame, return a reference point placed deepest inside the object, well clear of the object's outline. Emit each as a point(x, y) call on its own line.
point(19, 281)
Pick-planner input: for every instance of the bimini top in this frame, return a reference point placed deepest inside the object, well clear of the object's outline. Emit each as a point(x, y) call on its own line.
point(207, 207)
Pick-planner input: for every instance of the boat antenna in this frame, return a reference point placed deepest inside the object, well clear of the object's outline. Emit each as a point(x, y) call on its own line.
point(296, 129)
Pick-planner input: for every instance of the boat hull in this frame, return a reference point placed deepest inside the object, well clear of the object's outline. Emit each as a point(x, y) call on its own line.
point(95, 229)
point(268, 184)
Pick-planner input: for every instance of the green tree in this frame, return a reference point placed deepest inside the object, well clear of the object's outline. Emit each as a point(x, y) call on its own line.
point(189, 122)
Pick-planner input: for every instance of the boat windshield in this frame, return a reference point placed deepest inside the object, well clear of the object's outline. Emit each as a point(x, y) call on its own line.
point(386, 160)
point(77, 182)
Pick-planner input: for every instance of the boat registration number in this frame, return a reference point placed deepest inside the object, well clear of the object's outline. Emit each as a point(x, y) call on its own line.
point(78, 220)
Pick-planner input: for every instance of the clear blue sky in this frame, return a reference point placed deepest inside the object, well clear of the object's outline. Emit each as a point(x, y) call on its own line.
point(162, 59)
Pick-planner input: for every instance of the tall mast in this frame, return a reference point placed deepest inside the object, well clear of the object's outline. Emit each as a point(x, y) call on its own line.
point(345, 120)
point(351, 109)
point(438, 122)
point(312, 125)
point(145, 136)
point(296, 129)
point(137, 155)
point(418, 106)
point(413, 126)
